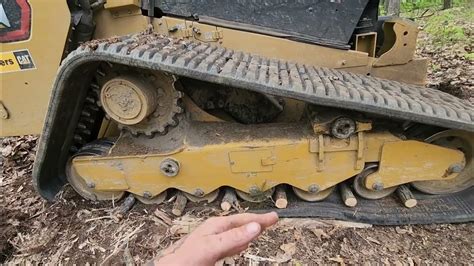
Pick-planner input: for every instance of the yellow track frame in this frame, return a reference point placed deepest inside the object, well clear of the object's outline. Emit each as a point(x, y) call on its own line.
point(249, 160)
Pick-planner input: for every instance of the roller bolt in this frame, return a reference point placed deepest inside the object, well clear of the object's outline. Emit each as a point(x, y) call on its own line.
point(343, 128)
point(90, 184)
point(210, 105)
point(254, 191)
point(198, 193)
point(147, 195)
point(169, 167)
point(313, 188)
point(220, 103)
point(454, 168)
point(377, 186)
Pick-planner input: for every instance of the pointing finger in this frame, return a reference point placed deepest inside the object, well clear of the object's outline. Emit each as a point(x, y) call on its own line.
point(222, 224)
point(231, 242)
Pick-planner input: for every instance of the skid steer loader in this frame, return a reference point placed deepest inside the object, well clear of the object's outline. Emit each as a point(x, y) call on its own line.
point(315, 105)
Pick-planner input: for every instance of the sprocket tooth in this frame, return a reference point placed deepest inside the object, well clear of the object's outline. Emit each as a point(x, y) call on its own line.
point(161, 129)
point(95, 87)
point(94, 108)
point(164, 114)
point(149, 134)
point(163, 132)
point(101, 73)
point(178, 109)
point(98, 103)
point(173, 122)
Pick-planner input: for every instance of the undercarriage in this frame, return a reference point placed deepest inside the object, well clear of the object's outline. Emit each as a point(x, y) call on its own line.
point(200, 123)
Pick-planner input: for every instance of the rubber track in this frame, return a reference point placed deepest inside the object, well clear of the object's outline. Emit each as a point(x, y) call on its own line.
point(223, 66)
point(453, 208)
point(317, 85)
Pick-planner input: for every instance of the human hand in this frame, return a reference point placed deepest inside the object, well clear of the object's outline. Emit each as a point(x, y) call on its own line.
point(217, 238)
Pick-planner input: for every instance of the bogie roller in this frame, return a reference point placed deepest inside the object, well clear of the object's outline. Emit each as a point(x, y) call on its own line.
point(201, 153)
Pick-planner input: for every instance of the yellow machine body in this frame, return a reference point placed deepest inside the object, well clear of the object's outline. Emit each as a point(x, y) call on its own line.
point(250, 163)
point(24, 95)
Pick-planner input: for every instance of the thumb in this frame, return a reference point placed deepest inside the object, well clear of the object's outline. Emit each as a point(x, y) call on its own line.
point(230, 242)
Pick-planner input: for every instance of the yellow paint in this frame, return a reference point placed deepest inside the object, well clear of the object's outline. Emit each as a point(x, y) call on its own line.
point(261, 163)
point(111, 23)
point(8, 63)
point(400, 42)
point(25, 94)
point(265, 164)
point(262, 160)
point(121, 3)
point(366, 42)
point(240, 164)
point(407, 161)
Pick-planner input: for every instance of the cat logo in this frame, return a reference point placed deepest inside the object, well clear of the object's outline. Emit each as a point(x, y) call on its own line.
point(15, 20)
point(14, 61)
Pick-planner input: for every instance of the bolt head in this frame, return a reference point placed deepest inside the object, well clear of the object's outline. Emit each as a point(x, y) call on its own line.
point(377, 186)
point(254, 190)
point(343, 128)
point(198, 192)
point(147, 195)
point(90, 184)
point(169, 167)
point(313, 188)
point(455, 168)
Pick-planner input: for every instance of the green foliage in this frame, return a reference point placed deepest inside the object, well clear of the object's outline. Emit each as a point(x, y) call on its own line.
point(469, 56)
point(415, 8)
point(446, 27)
point(435, 67)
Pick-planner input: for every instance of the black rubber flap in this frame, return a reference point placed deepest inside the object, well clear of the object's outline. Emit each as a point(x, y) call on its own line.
point(454, 208)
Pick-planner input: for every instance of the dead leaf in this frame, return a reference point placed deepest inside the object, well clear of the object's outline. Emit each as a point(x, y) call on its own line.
point(289, 248)
point(127, 257)
point(400, 230)
point(338, 259)
point(163, 216)
point(373, 240)
point(7, 151)
point(319, 233)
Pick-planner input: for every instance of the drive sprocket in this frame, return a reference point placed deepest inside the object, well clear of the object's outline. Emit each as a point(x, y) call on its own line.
point(141, 103)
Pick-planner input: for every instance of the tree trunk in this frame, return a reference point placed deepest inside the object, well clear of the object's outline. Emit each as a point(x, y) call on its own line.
point(393, 7)
point(447, 4)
